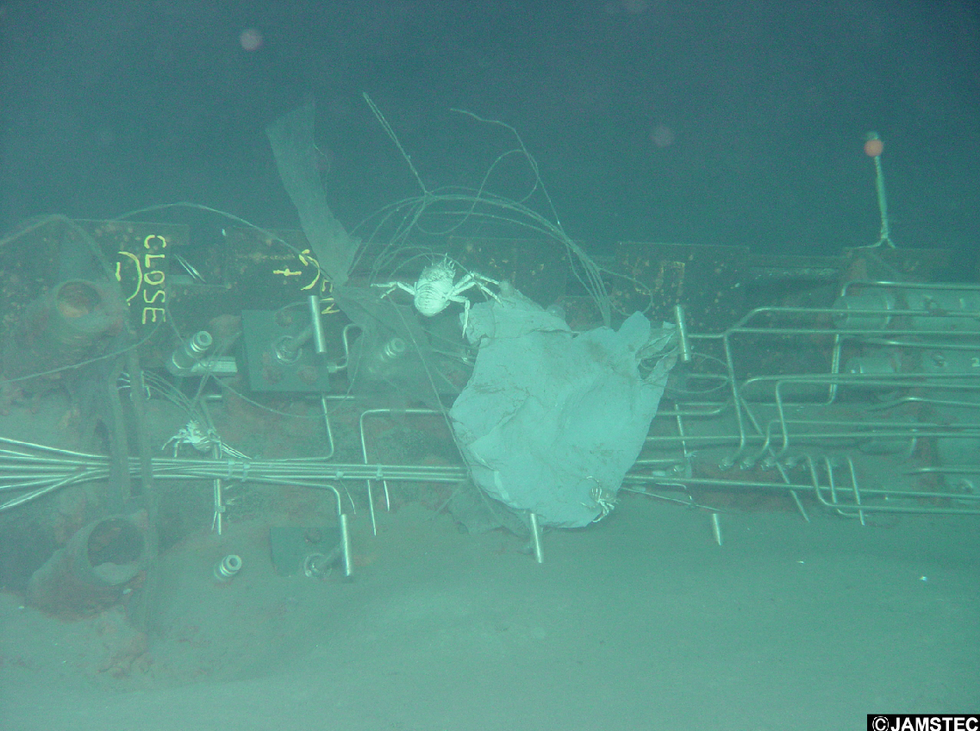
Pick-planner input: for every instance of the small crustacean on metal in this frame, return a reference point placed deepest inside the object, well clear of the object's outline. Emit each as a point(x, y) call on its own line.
point(602, 500)
point(202, 440)
point(436, 288)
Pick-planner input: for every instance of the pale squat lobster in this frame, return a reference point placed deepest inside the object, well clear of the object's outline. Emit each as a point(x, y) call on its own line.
point(603, 500)
point(203, 441)
point(436, 288)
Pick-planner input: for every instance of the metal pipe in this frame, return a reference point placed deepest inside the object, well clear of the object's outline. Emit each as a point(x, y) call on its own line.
point(319, 337)
point(536, 537)
point(364, 453)
point(345, 545)
point(716, 527)
point(948, 287)
point(685, 483)
point(682, 342)
point(796, 498)
point(189, 353)
point(314, 474)
point(326, 425)
point(227, 568)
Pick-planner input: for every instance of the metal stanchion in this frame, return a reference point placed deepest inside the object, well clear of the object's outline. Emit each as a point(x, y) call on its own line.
point(536, 538)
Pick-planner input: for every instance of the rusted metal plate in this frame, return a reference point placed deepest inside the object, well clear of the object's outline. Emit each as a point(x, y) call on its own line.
point(707, 280)
point(45, 252)
point(269, 273)
point(537, 268)
point(28, 267)
point(917, 265)
point(140, 256)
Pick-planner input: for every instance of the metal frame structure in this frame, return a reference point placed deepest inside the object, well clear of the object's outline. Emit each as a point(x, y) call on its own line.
point(772, 425)
point(776, 423)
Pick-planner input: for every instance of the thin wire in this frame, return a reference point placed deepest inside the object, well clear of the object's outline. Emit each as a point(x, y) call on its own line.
point(538, 182)
point(394, 138)
point(82, 364)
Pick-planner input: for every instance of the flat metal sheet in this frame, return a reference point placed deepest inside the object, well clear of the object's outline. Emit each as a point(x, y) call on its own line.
point(707, 280)
point(262, 330)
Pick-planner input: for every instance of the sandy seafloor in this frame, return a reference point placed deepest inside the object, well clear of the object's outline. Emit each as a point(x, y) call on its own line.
point(638, 622)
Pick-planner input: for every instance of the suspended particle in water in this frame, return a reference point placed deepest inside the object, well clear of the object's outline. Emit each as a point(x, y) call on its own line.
point(251, 39)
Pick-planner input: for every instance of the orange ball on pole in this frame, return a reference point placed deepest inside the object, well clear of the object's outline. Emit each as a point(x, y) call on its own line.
point(874, 147)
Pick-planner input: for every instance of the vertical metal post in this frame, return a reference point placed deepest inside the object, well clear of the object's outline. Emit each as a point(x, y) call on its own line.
point(716, 528)
point(345, 545)
point(682, 343)
point(217, 522)
point(326, 423)
point(319, 338)
point(536, 538)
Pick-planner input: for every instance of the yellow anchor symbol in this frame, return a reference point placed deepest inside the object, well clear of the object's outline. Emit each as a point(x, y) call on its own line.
point(308, 260)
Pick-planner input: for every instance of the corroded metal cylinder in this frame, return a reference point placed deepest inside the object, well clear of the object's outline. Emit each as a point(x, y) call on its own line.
point(93, 569)
point(64, 327)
